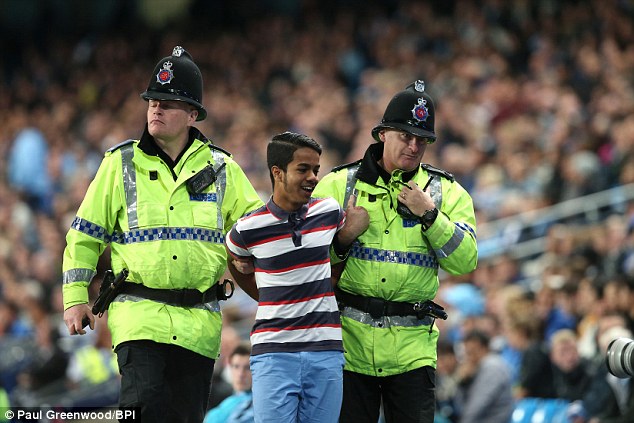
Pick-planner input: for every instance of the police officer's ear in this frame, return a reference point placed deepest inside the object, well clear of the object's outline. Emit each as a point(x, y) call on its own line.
point(382, 134)
point(193, 113)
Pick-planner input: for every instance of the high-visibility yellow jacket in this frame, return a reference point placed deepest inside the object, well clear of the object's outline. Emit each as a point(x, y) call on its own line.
point(4, 404)
point(395, 260)
point(95, 365)
point(166, 237)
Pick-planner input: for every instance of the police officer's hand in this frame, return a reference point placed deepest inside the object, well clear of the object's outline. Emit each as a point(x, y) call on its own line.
point(244, 266)
point(73, 317)
point(417, 200)
point(357, 221)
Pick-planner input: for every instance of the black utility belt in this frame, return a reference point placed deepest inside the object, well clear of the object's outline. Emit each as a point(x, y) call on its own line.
point(378, 307)
point(179, 297)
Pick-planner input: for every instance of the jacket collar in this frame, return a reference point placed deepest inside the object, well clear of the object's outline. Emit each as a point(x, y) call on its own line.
point(370, 171)
point(148, 145)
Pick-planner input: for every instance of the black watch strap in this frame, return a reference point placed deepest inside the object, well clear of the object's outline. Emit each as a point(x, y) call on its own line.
point(428, 218)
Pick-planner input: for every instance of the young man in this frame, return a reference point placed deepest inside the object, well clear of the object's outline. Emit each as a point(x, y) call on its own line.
point(297, 357)
point(422, 220)
point(238, 407)
point(163, 204)
point(484, 382)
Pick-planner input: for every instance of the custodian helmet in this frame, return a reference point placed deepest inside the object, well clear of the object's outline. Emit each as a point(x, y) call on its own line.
point(177, 77)
point(411, 110)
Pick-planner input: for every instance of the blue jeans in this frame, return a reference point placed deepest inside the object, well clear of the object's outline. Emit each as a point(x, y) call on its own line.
point(297, 387)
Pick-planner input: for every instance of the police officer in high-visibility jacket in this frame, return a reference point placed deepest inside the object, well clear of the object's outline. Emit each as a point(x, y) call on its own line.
point(163, 204)
point(421, 219)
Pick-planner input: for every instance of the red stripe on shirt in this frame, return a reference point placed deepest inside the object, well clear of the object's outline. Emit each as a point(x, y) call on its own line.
point(299, 266)
point(328, 325)
point(299, 300)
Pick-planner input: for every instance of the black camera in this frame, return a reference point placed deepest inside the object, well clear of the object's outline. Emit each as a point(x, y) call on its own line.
point(620, 359)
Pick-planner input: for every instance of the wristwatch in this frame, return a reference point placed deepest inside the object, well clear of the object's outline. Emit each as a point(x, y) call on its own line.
point(428, 218)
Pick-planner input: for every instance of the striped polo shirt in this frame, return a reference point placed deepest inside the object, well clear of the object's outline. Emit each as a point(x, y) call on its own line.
point(297, 310)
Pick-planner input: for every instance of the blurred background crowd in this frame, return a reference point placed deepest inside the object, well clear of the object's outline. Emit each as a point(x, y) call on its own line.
point(535, 108)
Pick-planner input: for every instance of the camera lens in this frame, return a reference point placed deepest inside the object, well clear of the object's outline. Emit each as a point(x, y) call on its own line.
point(620, 359)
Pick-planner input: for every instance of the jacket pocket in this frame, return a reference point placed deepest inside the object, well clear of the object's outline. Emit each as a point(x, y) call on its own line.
point(205, 213)
point(152, 215)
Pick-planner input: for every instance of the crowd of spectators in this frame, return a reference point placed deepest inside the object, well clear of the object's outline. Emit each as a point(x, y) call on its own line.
point(534, 106)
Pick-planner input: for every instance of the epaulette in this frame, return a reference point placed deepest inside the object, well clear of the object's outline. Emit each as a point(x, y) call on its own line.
point(118, 146)
point(344, 166)
point(432, 169)
point(213, 146)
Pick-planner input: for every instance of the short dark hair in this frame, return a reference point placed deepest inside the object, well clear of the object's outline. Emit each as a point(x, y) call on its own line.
point(243, 348)
point(444, 346)
point(478, 336)
point(282, 147)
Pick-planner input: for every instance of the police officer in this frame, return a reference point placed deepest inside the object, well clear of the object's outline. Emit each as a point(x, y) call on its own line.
point(421, 219)
point(163, 204)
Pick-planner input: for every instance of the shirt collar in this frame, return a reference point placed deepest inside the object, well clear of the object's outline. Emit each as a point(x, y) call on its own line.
point(283, 215)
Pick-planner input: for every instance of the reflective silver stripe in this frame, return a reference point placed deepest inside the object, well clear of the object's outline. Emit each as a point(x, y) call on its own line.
point(221, 183)
point(391, 256)
point(78, 275)
point(90, 229)
point(168, 234)
point(212, 306)
point(384, 322)
point(435, 188)
point(129, 184)
point(451, 245)
point(351, 180)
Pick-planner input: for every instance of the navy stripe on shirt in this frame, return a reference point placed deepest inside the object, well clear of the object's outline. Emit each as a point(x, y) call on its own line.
point(262, 235)
point(295, 293)
point(293, 259)
point(310, 320)
point(272, 347)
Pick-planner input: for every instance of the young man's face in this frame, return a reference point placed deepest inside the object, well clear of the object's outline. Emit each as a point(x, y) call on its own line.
point(169, 120)
point(294, 187)
point(240, 373)
point(402, 150)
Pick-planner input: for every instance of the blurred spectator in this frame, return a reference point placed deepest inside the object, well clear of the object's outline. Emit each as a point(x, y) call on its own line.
point(237, 408)
point(571, 373)
point(589, 307)
point(11, 323)
point(553, 302)
point(484, 383)
point(463, 302)
point(521, 335)
point(221, 379)
point(28, 170)
point(535, 375)
point(46, 369)
point(446, 383)
point(555, 370)
point(580, 174)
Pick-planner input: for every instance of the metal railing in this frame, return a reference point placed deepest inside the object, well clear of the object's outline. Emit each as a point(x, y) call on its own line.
point(523, 235)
